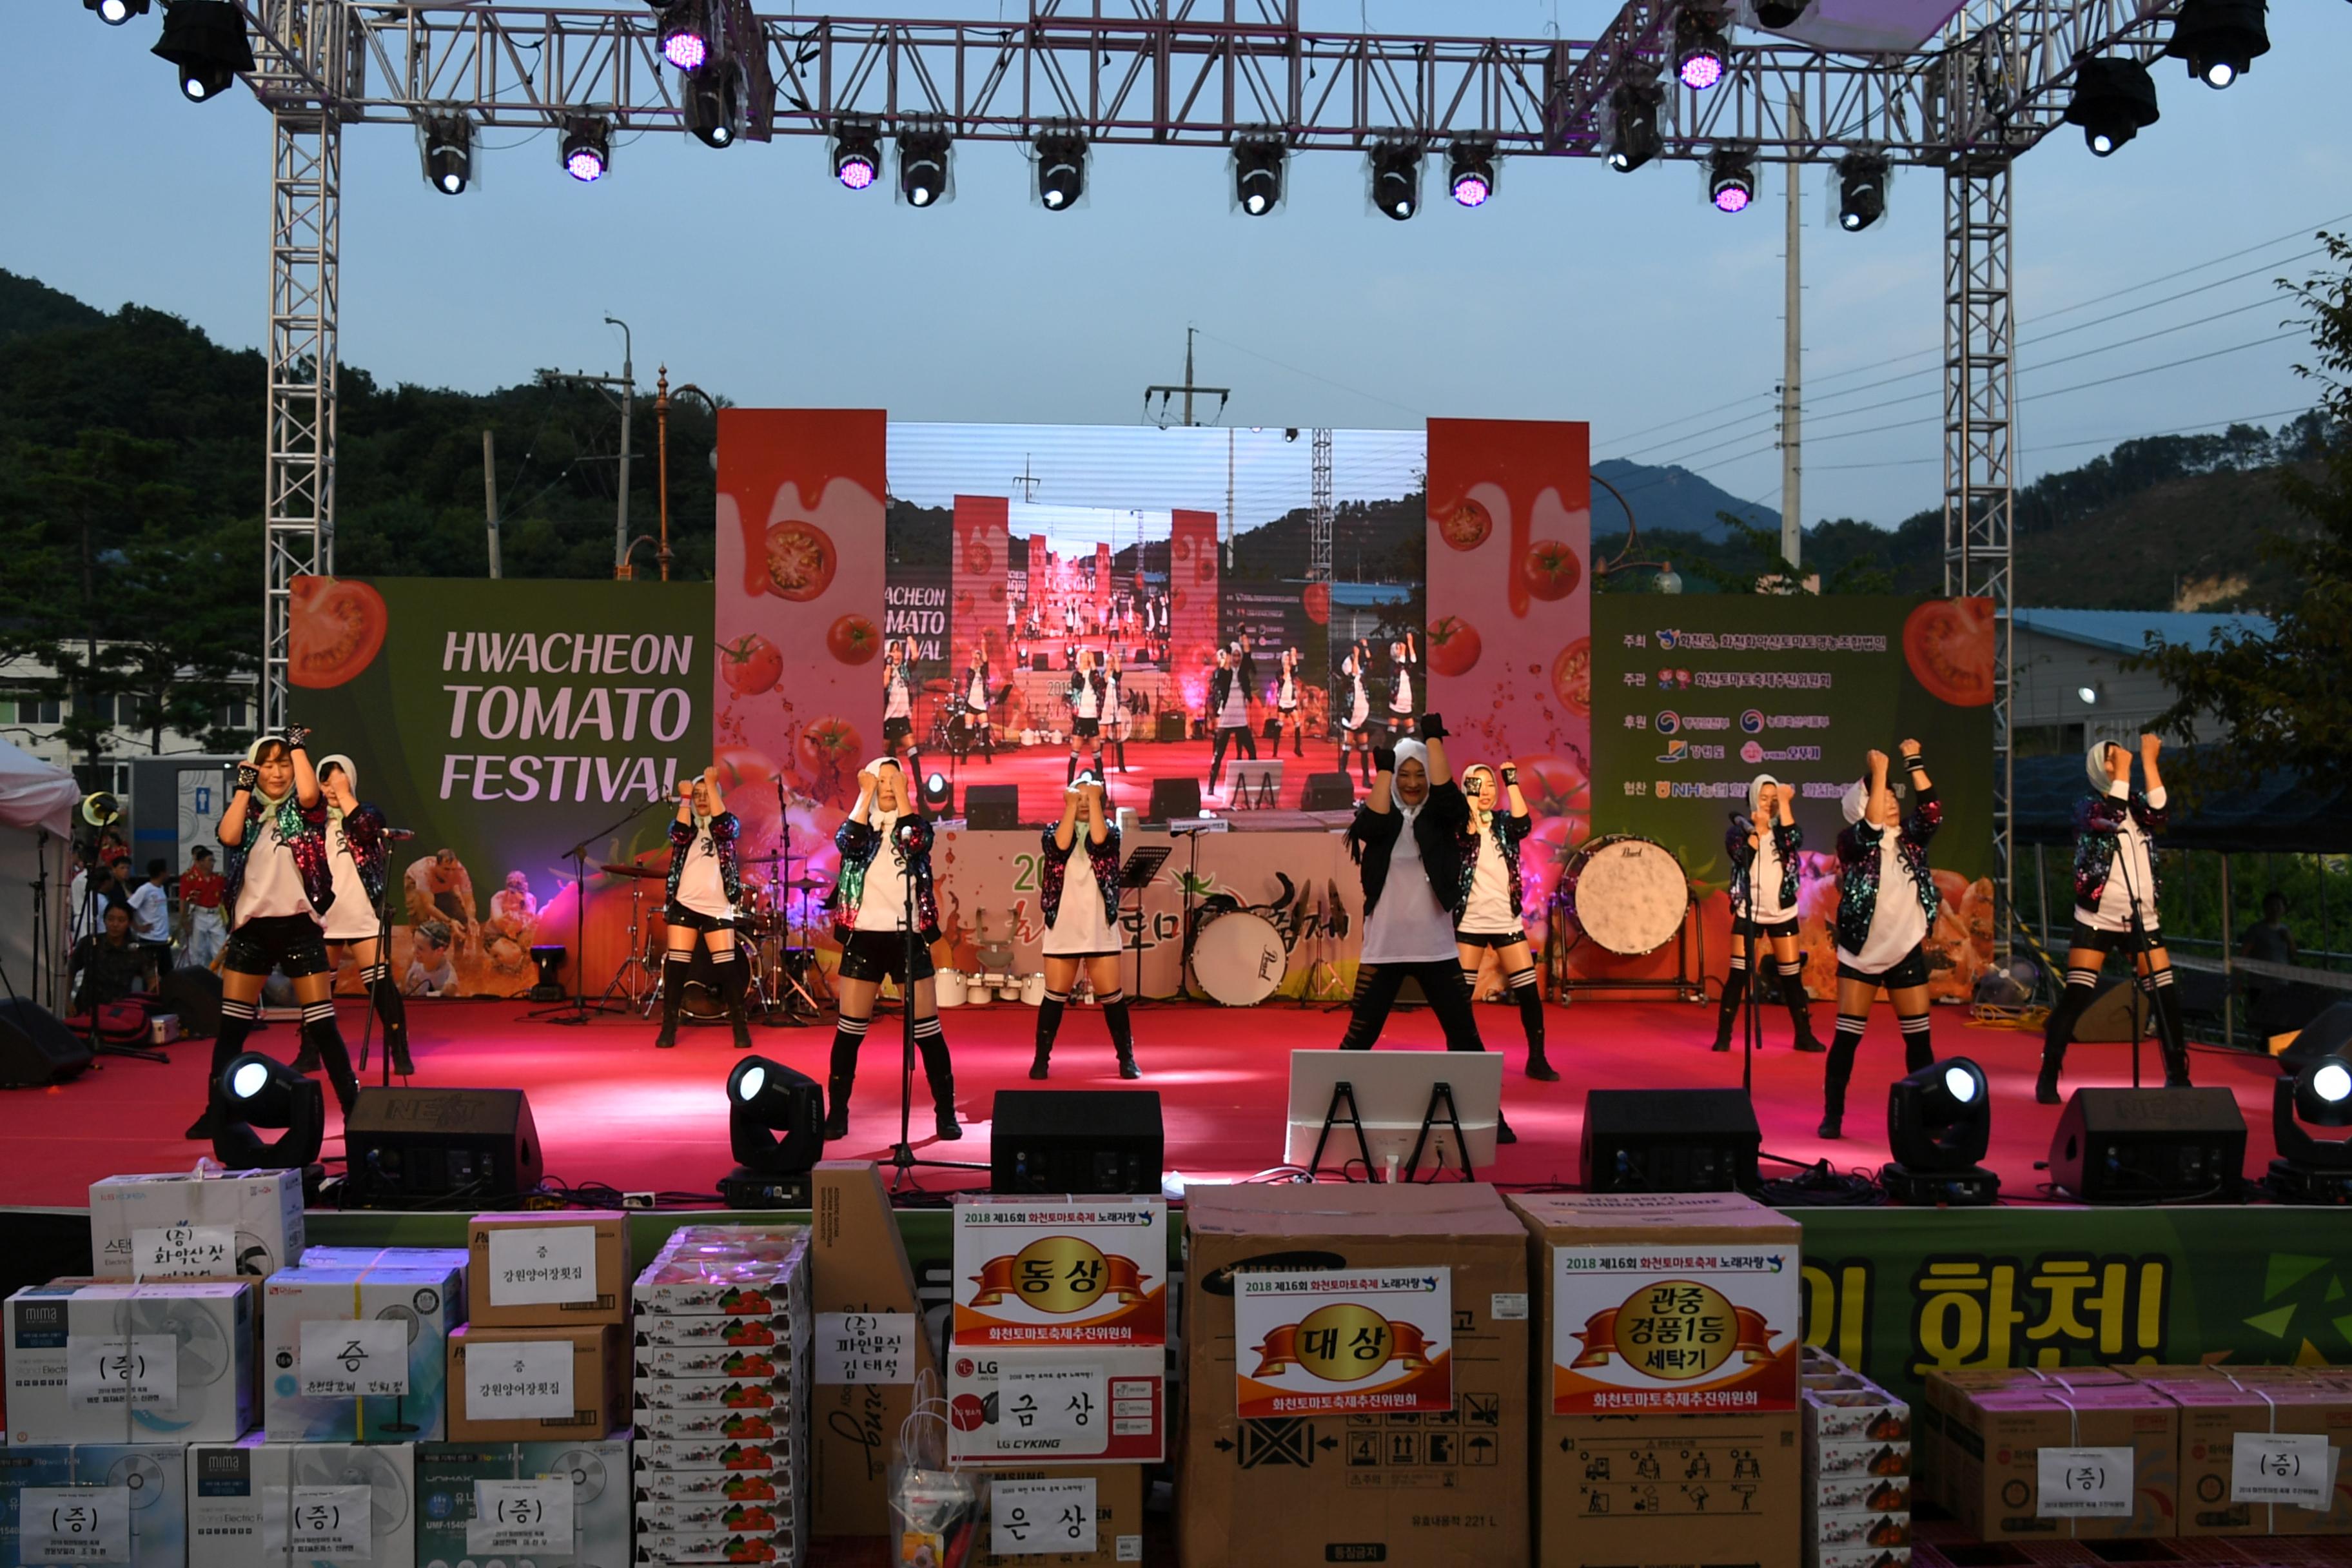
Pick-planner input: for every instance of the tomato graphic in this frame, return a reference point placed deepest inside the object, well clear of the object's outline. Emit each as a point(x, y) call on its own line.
point(852, 640)
point(1948, 643)
point(1572, 677)
point(978, 560)
point(1466, 526)
point(1551, 569)
point(1315, 597)
point(335, 629)
point(800, 559)
point(830, 744)
point(750, 664)
point(1453, 645)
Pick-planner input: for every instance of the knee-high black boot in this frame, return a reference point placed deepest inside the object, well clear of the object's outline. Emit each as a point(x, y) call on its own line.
point(734, 980)
point(236, 1023)
point(1837, 1070)
point(1918, 1043)
point(847, 1036)
point(392, 1009)
point(2059, 1032)
point(673, 989)
point(1122, 1033)
point(1070, 774)
point(323, 1039)
point(940, 1073)
point(1800, 1011)
point(1049, 1024)
point(2172, 1034)
point(1734, 989)
point(1526, 987)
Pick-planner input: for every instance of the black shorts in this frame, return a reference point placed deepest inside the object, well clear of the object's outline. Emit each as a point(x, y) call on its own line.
point(1085, 728)
point(295, 945)
point(2091, 939)
point(1911, 969)
point(895, 730)
point(1741, 925)
point(1488, 938)
point(877, 955)
point(677, 914)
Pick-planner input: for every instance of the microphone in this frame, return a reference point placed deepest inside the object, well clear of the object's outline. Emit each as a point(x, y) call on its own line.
point(399, 835)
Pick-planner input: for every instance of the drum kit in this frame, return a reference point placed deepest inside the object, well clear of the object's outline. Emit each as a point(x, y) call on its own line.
point(785, 982)
point(1628, 896)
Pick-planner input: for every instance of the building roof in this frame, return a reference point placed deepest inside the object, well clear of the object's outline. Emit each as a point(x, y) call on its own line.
point(2126, 631)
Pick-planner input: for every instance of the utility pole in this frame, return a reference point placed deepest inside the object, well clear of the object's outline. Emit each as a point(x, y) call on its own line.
point(622, 389)
point(1027, 480)
point(1792, 358)
point(490, 493)
point(1165, 393)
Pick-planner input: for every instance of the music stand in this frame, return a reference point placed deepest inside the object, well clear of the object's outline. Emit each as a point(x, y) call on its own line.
point(1142, 868)
point(1398, 1108)
point(579, 1010)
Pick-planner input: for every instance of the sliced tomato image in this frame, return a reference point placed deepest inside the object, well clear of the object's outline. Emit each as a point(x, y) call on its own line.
point(800, 558)
point(1948, 643)
point(1572, 677)
point(1465, 526)
point(335, 627)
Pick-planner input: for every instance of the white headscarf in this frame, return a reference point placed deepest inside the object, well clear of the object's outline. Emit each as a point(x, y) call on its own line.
point(2095, 763)
point(351, 774)
point(1756, 792)
point(1855, 800)
point(253, 760)
point(905, 788)
point(1409, 750)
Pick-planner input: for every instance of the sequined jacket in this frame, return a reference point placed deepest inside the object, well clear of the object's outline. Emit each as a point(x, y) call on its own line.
point(1437, 829)
point(1080, 679)
point(1055, 863)
point(1509, 831)
point(2098, 820)
point(309, 844)
point(364, 833)
point(857, 844)
point(1787, 839)
point(723, 830)
point(1857, 849)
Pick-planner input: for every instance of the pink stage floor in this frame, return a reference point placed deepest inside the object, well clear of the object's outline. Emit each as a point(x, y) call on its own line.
point(613, 1110)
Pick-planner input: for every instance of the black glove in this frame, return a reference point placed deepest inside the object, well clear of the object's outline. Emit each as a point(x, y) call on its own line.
point(296, 735)
point(247, 775)
point(1384, 759)
point(1433, 727)
point(1510, 775)
point(1916, 760)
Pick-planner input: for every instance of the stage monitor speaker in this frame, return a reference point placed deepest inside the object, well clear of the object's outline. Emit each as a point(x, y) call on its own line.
point(2326, 1035)
point(2150, 1145)
point(1172, 798)
point(36, 1049)
point(193, 995)
point(406, 1147)
point(1670, 1140)
point(1328, 792)
point(1075, 1140)
point(2113, 1009)
point(1038, 663)
point(992, 807)
point(1169, 729)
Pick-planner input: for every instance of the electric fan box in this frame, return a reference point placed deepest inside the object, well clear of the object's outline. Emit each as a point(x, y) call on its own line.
point(109, 1362)
point(358, 1352)
point(260, 1501)
point(446, 1496)
point(144, 1524)
point(215, 1224)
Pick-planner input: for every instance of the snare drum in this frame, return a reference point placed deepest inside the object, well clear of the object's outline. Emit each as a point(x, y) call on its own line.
point(1629, 894)
point(1238, 958)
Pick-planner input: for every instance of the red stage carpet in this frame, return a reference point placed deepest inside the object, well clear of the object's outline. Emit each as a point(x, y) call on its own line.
point(611, 1108)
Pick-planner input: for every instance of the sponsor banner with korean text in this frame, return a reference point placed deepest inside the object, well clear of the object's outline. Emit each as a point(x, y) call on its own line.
point(1684, 1329)
point(1075, 1272)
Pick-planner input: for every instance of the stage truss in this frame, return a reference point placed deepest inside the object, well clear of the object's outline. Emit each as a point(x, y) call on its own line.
point(1195, 73)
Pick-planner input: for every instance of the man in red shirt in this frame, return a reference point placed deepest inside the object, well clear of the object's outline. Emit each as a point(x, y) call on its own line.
point(201, 890)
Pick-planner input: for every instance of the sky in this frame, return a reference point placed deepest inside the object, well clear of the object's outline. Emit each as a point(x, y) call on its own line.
point(1577, 293)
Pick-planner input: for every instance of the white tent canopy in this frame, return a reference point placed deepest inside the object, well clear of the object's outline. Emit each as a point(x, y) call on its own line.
point(36, 818)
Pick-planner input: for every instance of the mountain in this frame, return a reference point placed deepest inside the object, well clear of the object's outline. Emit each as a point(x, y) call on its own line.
point(28, 307)
point(1667, 500)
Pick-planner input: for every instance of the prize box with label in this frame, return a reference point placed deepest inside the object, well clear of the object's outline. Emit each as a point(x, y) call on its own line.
point(1073, 1271)
point(1328, 1343)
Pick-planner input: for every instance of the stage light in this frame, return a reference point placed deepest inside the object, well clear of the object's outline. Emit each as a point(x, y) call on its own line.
point(775, 1127)
point(923, 167)
point(1060, 169)
point(711, 105)
point(1862, 190)
point(2309, 1169)
point(1939, 1125)
point(2115, 100)
point(684, 44)
point(1470, 172)
point(258, 1091)
point(1700, 48)
point(115, 13)
point(1636, 140)
point(937, 792)
point(856, 153)
point(2219, 38)
point(1396, 178)
point(1731, 179)
point(587, 148)
point(448, 152)
point(1781, 12)
point(205, 39)
point(1258, 167)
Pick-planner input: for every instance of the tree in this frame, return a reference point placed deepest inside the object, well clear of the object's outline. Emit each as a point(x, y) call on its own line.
point(1764, 570)
point(2284, 701)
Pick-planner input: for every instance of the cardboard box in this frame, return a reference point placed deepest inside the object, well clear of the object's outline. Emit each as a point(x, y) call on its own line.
point(245, 1498)
point(224, 1223)
point(140, 1490)
point(1119, 1520)
point(1876, 1460)
point(187, 1346)
point(1993, 1437)
point(1416, 1488)
point(859, 1266)
point(1844, 1530)
point(597, 1377)
point(734, 1272)
point(569, 1266)
point(1854, 1415)
point(2214, 1413)
point(598, 1469)
point(1107, 1405)
point(717, 1454)
point(1032, 1271)
point(393, 1316)
point(1647, 1491)
point(769, 1484)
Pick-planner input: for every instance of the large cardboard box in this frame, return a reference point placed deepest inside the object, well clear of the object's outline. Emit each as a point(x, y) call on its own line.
point(370, 1342)
point(164, 1360)
point(184, 1223)
point(1426, 1466)
point(863, 1288)
point(518, 1393)
point(1993, 1444)
point(1118, 1517)
point(1657, 1491)
point(135, 1495)
point(2215, 1413)
point(569, 1267)
point(258, 1502)
point(449, 1476)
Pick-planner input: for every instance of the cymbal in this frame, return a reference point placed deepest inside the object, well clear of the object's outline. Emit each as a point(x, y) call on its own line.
point(775, 859)
point(805, 885)
point(621, 869)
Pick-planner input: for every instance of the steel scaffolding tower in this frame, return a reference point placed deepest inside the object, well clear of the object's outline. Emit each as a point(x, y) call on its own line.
point(1318, 526)
point(299, 524)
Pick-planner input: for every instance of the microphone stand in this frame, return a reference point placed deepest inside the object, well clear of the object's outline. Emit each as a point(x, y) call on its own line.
point(2139, 997)
point(903, 1160)
point(579, 1010)
point(383, 952)
point(1752, 1023)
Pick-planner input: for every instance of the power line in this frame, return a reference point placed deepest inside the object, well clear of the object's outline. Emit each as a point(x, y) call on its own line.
point(2085, 441)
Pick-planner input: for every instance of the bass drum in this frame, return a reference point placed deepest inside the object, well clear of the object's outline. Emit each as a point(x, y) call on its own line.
point(1628, 894)
point(1238, 958)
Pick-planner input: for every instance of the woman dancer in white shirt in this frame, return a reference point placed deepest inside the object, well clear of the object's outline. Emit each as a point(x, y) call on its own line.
point(1078, 889)
point(1886, 905)
point(1763, 846)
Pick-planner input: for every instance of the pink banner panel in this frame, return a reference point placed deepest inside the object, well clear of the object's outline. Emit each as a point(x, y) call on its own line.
point(983, 556)
point(1193, 580)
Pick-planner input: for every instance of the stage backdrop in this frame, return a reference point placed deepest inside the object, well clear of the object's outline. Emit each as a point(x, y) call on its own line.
point(503, 722)
point(1694, 694)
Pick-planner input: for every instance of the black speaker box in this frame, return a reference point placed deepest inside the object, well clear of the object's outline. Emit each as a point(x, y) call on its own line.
point(991, 806)
point(1170, 728)
point(1038, 662)
point(1328, 792)
point(193, 995)
point(407, 1147)
point(2114, 1006)
point(1173, 798)
point(35, 1048)
point(2150, 1145)
point(2326, 1035)
point(1670, 1140)
point(1075, 1140)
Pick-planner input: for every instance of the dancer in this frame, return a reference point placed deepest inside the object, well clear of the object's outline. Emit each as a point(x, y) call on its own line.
point(1116, 720)
point(280, 888)
point(898, 705)
point(1763, 848)
point(1286, 705)
point(1356, 720)
point(1085, 696)
point(1406, 840)
point(1886, 905)
point(1490, 901)
point(1229, 694)
point(886, 864)
point(2114, 907)
point(1078, 889)
point(357, 854)
point(974, 717)
point(703, 889)
point(1403, 657)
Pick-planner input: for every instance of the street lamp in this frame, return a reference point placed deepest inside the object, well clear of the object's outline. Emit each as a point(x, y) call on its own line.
point(661, 423)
